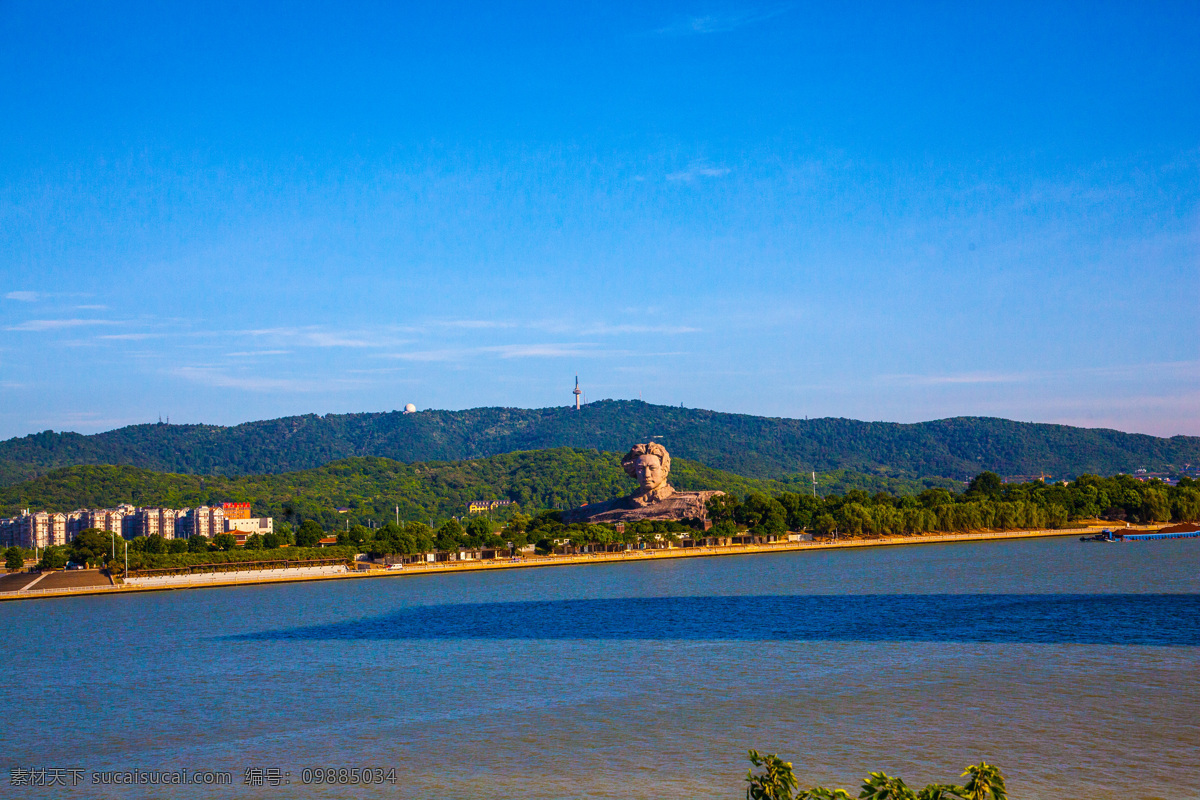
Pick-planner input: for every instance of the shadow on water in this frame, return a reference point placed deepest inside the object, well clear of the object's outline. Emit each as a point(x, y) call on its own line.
point(1163, 620)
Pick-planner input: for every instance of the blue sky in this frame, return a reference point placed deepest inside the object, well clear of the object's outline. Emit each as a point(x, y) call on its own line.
point(220, 213)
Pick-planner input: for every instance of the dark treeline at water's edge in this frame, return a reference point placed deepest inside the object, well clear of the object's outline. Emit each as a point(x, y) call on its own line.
point(986, 504)
point(370, 490)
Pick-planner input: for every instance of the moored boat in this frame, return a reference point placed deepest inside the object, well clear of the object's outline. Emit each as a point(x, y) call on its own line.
point(1186, 530)
point(1105, 535)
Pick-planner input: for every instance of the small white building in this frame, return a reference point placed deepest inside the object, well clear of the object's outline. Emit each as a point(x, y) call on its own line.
point(260, 525)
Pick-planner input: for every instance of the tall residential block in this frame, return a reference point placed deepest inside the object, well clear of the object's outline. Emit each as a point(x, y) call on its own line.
point(161, 521)
point(206, 521)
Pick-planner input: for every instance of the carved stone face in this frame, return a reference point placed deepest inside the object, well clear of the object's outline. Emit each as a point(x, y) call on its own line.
point(649, 471)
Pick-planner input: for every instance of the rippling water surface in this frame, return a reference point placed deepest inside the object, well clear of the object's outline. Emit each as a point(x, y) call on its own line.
point(1073, 666)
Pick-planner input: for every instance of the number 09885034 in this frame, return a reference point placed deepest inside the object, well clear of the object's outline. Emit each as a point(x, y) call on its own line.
point(348, 776)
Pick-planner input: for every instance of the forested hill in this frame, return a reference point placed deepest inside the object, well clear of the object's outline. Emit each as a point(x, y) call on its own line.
point(370, 488)
point(747, 445)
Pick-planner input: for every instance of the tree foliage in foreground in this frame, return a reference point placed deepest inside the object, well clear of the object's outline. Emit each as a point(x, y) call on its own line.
point(777, 781)
point(987, 504)
point(14, 559)
point(235, 555)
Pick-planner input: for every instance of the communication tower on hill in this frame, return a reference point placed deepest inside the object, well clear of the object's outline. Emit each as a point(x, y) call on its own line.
point(576, 392)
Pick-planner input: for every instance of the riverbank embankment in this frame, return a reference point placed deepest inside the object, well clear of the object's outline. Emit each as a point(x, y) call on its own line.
point(253, 577)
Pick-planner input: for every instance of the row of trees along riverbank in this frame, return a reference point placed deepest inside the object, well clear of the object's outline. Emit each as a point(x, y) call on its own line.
point(97, 548)
point(986, 504)
point(545, 530)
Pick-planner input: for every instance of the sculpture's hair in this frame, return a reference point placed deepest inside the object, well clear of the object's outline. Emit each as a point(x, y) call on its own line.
point(649, 449)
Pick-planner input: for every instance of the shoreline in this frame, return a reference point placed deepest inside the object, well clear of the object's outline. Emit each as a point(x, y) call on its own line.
point(627, 556)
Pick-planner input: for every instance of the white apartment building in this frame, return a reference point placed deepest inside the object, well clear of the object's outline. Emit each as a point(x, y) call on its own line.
point(161, 521)
point(106, 519)
point(46, 529)
point(57, 529)
point(260, 525)
point(41, 529)
point(206, 521)
point(34, 530)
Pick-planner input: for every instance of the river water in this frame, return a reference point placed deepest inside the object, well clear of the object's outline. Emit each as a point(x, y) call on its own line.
point(1072, 666)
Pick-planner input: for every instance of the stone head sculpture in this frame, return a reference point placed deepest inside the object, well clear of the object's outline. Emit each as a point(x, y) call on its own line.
point(649, 464)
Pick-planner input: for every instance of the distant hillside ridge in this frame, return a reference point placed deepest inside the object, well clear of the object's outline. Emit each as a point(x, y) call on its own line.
point(757, 447)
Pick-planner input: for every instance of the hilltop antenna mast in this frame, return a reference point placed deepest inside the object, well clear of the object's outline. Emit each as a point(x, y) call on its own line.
point(577, 392)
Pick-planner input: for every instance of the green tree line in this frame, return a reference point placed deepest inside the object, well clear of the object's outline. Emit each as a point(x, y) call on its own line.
point(370, 490)
point(429, 494)
point(96, 548)
point(986, 504)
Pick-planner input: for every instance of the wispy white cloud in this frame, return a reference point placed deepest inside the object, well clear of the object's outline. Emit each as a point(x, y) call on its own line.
point(84, 421)
point(92, 308)
point(1140, 402)
point(1123, 372)
point(379, 371)
point(59, 324)
point(699, 25)
point(473, 324)
point(544, 350)
point(603, 329)
point(559, 326)
point(130, 337)
point(443, 354)
point(320, 337)
point(429, 326)
point(541, 350)
point(961, 378)
point(1157, 369)
point(698, 170)
point(23, 297)
point(252, 353)
point(211, 376)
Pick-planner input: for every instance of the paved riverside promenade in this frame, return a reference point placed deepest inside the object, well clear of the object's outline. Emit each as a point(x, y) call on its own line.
point(236, 576)
point(339, 572)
